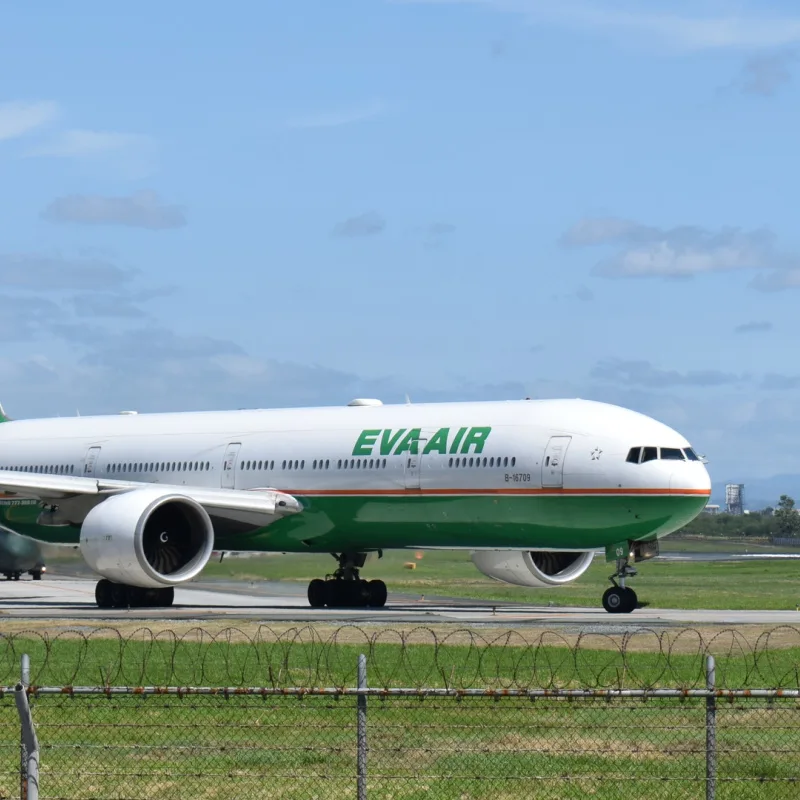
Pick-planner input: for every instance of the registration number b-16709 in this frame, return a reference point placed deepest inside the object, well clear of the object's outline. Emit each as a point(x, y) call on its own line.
point(518, 477)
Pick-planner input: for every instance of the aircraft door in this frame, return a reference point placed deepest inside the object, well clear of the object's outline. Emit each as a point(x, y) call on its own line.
point(90, 462)
point(229, 466)
point(413, 465)
point(553, 464)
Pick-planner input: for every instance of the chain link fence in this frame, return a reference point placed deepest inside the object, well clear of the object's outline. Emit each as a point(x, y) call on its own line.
point(682, 736)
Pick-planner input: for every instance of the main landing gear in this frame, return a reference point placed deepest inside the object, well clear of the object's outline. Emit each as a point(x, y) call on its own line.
point(119, 595)
point(345, 589)
point(620, 599)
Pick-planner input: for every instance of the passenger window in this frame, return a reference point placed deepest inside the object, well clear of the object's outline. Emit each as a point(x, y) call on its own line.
point(327, 463)
point(633, 455)
point(314, 464)
point(671, 454)
point(339, 466)
point(649, 454)
point(513, 460)
point(505, 461)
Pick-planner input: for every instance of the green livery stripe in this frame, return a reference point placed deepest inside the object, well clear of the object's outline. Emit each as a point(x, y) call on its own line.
point(332, 523)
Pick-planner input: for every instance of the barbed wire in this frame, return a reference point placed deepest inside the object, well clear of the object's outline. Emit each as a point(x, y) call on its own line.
point(305, 656)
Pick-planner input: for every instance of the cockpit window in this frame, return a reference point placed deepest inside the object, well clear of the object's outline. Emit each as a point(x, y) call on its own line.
point(649, 454)
point(664, 453)
point(671, 454)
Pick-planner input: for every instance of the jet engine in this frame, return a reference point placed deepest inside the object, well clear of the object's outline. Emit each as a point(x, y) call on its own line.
point(535, 569)
point(147, 538)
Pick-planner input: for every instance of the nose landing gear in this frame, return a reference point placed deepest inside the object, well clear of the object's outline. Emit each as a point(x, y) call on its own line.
point(345, 588)
point(619, 598)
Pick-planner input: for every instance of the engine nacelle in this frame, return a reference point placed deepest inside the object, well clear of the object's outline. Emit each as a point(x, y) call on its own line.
point(148, 538)
point(535, 569)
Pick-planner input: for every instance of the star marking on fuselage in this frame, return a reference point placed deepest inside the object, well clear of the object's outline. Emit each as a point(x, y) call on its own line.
point(596, 453)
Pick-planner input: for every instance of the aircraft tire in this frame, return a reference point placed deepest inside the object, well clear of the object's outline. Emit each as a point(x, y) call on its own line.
point(317, 593)
point(102, 594)
point(617, 600)
point(166, 597)
point(119, 595)
point(631, 600)
point(377, 594)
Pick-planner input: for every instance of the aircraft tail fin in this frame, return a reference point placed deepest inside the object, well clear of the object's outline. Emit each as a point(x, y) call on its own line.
point(3, 416)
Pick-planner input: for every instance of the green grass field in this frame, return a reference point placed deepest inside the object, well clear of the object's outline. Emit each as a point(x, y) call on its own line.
point(285, 747)
point(474, 749)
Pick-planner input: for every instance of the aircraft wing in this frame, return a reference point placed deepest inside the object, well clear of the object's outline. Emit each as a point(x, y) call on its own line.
point(58, 489)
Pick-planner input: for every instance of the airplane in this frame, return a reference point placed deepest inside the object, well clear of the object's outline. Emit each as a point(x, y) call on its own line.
point(18, 555)
point(531, 488)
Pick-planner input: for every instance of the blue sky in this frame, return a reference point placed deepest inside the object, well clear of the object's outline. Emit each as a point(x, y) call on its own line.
point(264, 203)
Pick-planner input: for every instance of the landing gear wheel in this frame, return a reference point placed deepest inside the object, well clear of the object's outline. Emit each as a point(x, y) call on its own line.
point(631, 600)
point(619, 600)
point(166, 597)
point(102, 594)
point(377, 594)
point(37, 575)
point(119, 595)
point(317, 593)
point(334, 593)
point(345, 588)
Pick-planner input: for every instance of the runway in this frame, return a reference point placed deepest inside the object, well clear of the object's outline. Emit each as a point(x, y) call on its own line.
point(268, 602)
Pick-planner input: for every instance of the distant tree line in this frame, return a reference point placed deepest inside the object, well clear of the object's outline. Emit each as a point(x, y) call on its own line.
point(782, 521)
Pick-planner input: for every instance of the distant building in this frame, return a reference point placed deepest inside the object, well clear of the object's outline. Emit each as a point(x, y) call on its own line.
point(734, 498)
point(711, 509)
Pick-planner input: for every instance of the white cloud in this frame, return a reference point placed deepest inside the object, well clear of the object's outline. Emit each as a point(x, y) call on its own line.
point(141, 210)
point(84, 143)
point(17, 119)
point(131, 153)
point(334, 119)
point(685, 24)
point(683, 251)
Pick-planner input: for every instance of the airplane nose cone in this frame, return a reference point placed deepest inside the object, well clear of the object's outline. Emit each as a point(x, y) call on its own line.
point(692, 478)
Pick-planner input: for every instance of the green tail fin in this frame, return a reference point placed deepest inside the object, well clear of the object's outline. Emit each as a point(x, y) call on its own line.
point(3, 417)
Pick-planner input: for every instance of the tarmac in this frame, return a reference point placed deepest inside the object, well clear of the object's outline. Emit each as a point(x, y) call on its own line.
point(61, 598)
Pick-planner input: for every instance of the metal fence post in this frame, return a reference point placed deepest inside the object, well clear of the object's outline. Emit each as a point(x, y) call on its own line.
point(711, 731)
point(29, 766)
point(25, 669)
point(362, 728)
